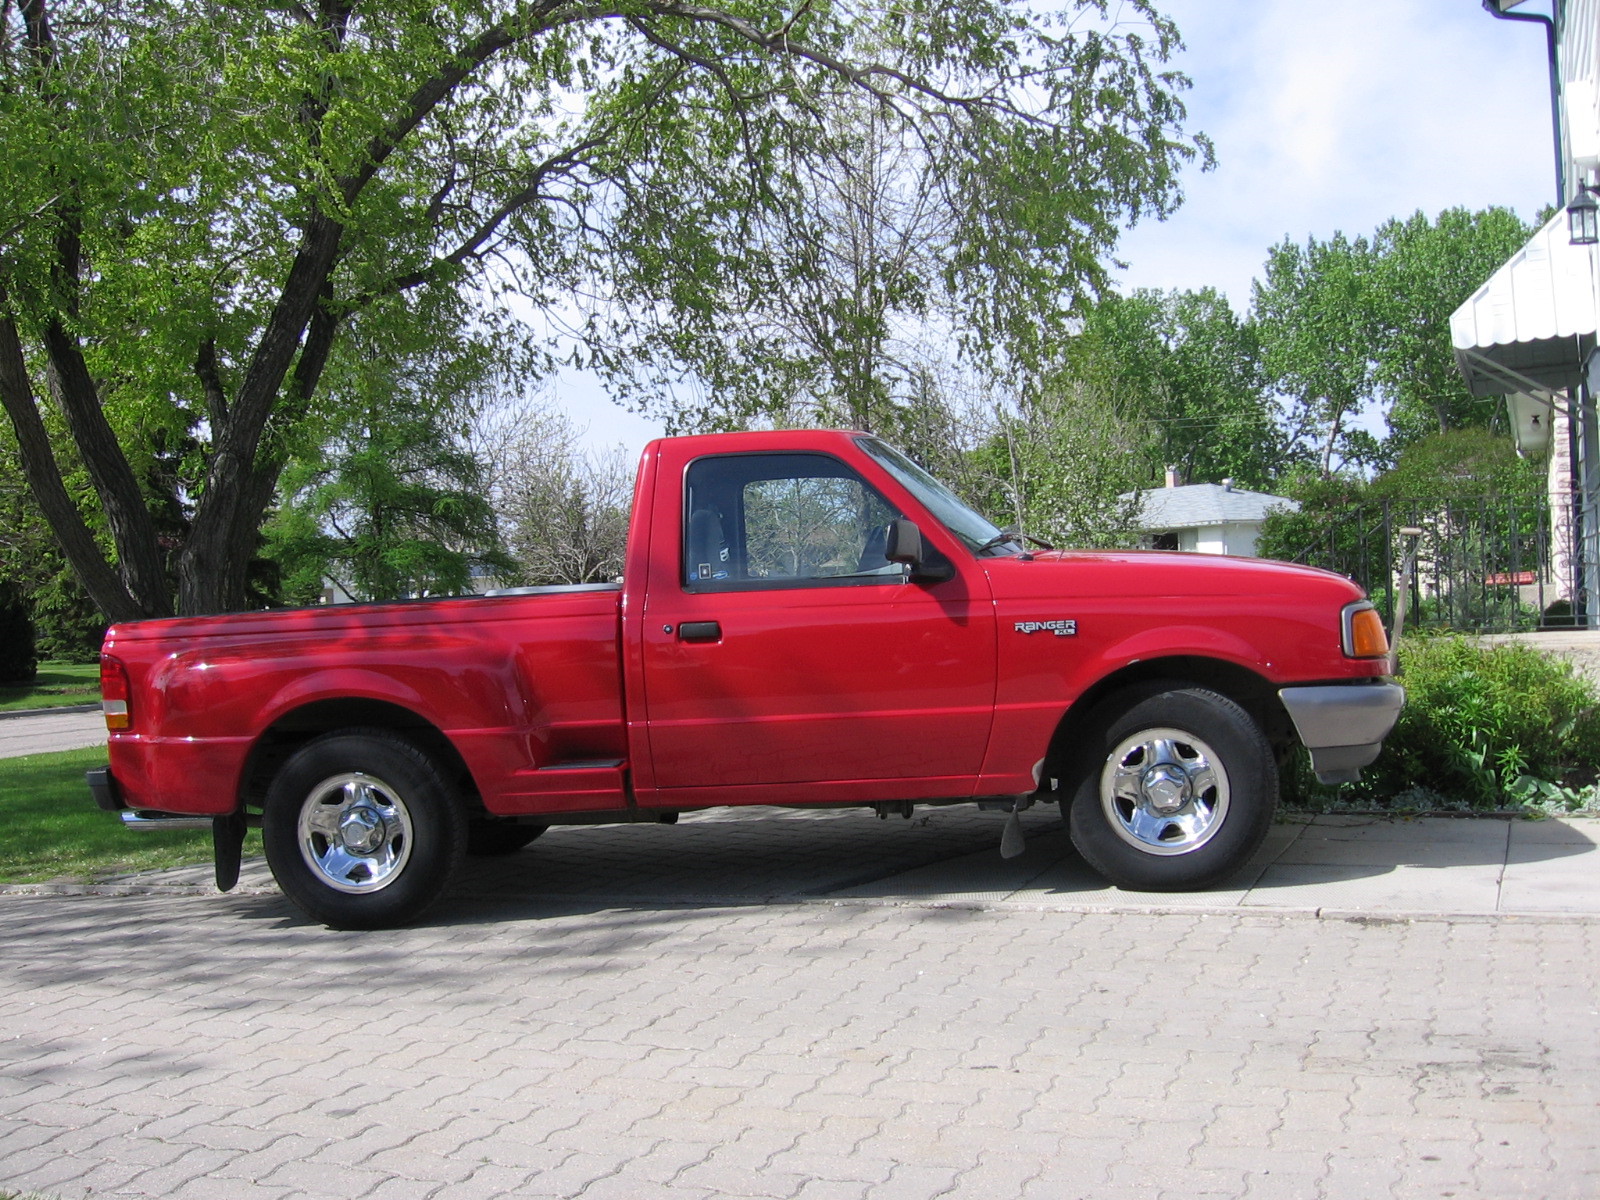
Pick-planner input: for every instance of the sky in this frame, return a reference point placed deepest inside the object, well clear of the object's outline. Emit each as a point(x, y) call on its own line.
point(1326, 117)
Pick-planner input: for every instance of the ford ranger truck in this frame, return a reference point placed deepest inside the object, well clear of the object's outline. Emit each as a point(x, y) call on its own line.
point(805, 618)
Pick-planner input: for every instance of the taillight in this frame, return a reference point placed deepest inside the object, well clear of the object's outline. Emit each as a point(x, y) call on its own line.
point(1363, 632)
point(114, 692)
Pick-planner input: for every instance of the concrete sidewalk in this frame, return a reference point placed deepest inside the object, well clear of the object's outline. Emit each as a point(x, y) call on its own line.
point(948, 857)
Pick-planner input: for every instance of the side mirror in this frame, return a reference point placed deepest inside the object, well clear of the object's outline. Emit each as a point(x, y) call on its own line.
point(903, 544)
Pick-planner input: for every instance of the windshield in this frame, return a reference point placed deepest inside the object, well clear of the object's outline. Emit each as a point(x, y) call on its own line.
point(975, 531)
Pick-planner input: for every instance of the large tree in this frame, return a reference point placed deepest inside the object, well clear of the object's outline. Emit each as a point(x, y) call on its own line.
point(202, 209)
point(1422, 272)
point(1350, 323)
point(1184, 366)
point(1319, 337)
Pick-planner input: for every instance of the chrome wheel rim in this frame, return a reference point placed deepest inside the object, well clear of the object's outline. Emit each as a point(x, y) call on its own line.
point(1164, 791)
point(355, 833)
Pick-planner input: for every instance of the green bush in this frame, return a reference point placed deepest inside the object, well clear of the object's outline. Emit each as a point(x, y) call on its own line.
point(1484, 727)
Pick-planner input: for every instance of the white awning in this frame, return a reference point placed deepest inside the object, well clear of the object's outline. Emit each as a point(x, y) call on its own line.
point(1532, 326)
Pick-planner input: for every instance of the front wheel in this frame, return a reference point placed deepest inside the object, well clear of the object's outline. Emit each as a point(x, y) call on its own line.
point(1179, 793)
point(361, 830)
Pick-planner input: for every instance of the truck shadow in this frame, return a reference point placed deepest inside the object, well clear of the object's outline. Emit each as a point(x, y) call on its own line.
point(950, 856)
point(582, 902)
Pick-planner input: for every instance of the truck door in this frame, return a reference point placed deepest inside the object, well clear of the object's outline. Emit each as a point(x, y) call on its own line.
point(787, 650)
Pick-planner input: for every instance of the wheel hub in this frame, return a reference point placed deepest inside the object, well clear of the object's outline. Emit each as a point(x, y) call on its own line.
point(355, 833)
point(361, 829)
point(1164, 791)
point(1166, 787)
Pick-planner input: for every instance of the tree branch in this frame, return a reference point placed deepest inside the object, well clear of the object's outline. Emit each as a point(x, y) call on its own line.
point(216, 396)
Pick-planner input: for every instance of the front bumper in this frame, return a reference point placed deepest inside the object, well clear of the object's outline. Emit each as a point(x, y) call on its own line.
point(1343, 725)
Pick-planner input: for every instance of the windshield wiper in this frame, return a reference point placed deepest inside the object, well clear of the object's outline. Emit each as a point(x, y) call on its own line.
point(1012, 535)
point(998, 539)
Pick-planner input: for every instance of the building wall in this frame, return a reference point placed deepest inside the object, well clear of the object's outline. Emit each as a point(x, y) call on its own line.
point(1232, 538)
point(1579, 57)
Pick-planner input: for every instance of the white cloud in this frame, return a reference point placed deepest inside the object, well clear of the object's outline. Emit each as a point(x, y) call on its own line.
point(1337, 117)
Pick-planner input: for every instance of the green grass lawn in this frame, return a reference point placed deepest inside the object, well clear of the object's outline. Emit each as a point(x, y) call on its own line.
point(58, 686)
point(50, 828)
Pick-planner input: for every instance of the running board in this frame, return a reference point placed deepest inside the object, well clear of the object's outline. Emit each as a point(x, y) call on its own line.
point(146, 821)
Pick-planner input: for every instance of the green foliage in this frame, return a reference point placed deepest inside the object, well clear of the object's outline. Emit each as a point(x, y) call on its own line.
point(1348, 323)
point(1318, 334)
point(1062, 469)
point(1487, 727)
point(201, 216)
point(1183, 365)
point(67, 625)
point(1422, 272)
point(1461, 464)
point(1322, 530)
point(895, 233)
point(393, 509)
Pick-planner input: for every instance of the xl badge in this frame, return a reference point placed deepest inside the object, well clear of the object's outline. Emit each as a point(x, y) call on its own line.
point(1059, 628)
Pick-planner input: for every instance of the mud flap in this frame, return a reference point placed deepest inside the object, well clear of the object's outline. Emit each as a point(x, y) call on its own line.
point(227, 846)
point(1012, 843)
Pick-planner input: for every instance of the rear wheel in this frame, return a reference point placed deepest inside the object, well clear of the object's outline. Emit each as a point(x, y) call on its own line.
point(1179, 793)
point(361, 830)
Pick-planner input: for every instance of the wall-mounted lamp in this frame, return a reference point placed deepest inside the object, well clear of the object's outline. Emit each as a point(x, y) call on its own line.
point(1530, 423)
point(1583, 217)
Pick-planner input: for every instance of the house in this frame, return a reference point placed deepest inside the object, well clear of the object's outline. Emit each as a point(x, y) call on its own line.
point(1212, 518)
point(1529, 333)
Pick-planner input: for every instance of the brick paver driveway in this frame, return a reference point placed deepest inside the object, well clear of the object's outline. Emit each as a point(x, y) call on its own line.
point(532, 1043)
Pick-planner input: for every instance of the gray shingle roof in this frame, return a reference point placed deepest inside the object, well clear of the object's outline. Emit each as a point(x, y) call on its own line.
point(1200, 504)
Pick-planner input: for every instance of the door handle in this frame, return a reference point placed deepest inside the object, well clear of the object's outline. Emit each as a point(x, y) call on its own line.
point(700, 631)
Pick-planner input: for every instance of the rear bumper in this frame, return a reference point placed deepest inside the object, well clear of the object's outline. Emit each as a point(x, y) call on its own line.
point(1343, 725)
point(104, 789)
point(108, 796)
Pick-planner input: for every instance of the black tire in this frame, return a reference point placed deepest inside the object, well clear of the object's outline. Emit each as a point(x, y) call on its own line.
point(361, 830)
point(1178, 792)
point(489, 838)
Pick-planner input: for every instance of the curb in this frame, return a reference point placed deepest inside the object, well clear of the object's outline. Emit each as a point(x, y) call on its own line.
point(45, 712)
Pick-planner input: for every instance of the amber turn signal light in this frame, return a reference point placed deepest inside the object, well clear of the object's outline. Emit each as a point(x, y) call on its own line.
point(1364, 635)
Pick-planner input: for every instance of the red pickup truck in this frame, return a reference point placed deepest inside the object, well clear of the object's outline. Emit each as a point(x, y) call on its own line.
point(804, 618)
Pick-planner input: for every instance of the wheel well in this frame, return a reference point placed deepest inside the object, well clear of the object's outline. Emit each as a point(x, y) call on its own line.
point(1257, 696)
point(297, 727)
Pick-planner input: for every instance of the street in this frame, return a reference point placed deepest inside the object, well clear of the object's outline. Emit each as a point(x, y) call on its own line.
point(42, 732)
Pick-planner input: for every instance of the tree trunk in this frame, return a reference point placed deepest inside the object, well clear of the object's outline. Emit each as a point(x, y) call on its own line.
point(132, 531)
point(108, 591)
point(222, 539)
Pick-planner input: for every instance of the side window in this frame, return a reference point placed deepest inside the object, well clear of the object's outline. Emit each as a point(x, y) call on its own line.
point(758, 520)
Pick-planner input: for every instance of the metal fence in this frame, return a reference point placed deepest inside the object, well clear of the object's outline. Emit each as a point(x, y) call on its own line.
point(1481, 566)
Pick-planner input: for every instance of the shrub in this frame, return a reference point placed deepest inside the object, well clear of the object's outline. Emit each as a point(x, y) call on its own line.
point(1484, 727)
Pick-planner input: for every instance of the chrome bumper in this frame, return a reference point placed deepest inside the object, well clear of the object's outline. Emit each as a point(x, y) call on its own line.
point(1343, 725)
